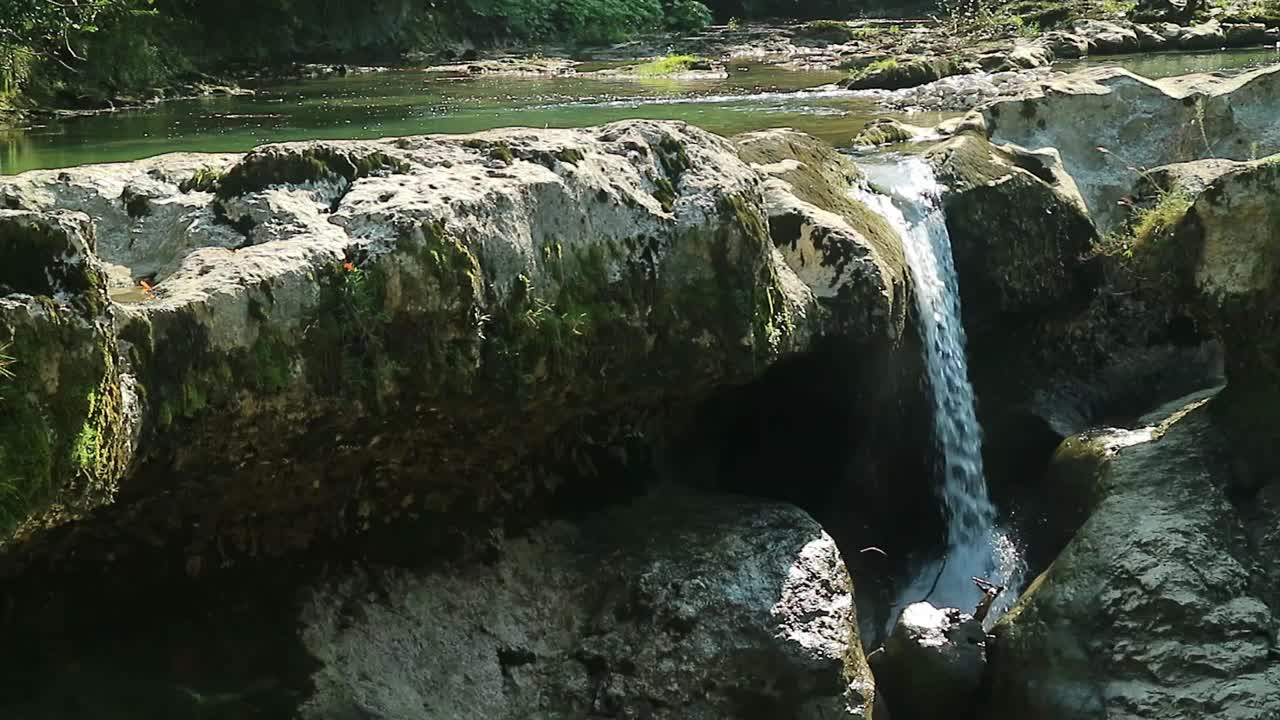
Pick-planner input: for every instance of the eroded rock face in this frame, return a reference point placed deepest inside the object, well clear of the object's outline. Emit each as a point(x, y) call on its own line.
point(1230, 233)
point(1156, 609)
point(323, 338)
point(676, 605)
point(844, 252)
point(675, 608)
point(1200, 116)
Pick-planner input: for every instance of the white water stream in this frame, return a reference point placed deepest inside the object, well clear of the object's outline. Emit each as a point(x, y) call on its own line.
point(976, 545)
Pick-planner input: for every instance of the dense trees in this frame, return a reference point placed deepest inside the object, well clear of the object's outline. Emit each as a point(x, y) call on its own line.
point(814, 9)
point(131, 44)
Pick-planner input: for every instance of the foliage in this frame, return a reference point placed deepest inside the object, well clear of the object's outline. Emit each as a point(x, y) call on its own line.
point(6, 362)
point(88, 52)
point(670, 65)
point(686, 15)
point(814, 9)
point(984, 18)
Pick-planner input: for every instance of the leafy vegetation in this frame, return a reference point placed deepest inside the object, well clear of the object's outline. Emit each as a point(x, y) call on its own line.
point(88, 52)
point(6, 362)
point(670, 65)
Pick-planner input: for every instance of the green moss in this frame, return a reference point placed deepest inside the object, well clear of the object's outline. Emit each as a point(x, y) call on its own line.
point(669, 65)
point(674, 158)
point(881, 66)
point(50, 434)
point(500, 151)
point(205, 179)
point(832, 32)
point(346, 333)
point(294, 166)
point(572, 156)
point(665, 193)
point(1160, 219)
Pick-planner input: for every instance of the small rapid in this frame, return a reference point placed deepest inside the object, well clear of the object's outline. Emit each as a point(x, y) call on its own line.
point(976, 545)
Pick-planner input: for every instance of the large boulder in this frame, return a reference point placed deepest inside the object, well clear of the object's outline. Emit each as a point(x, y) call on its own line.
point(315, 340)
point(844, 251)
point(678, 606)
point(902, 73)
point(1156, 608)
point(1167, 10)
point(688, 610)
point(1230, 234)
point(1107, 122)
point(1106, 38)
point(1205, 36)
point(1018, 228)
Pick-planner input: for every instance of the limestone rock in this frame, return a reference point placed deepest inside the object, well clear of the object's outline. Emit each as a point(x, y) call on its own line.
point(455, 302)
point(888, 131)
point(845, 253)
point(680, 609)
point(1139, 123)
point(1018, 227)
point(1106, 38)
point(932, 663)
point(1205, 36)
point(1245, 34)
point(1150, 38)
point(1028, 57)
point(1230, 233)
point(1066, 44)
point(1152, 611)
point(1167, 10)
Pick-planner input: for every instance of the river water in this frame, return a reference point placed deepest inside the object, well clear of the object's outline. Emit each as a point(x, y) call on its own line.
point(409, 102)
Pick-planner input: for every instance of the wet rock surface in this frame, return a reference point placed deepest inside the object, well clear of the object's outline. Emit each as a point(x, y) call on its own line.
point(693, 608)
point(932, 664)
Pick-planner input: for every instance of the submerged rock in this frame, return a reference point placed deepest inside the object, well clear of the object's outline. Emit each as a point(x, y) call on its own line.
point(318, 339)
point(932, 664)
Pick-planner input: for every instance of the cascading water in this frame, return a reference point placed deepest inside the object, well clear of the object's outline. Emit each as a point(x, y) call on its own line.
point(976, 546)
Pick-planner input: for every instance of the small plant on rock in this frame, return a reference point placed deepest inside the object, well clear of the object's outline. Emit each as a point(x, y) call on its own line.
point(6, 361)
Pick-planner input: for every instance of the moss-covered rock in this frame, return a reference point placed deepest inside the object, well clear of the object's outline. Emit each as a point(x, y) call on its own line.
point(1019, 230)
point(902, 73)
point(407, 322)
point(847, 255)
point(63, 431)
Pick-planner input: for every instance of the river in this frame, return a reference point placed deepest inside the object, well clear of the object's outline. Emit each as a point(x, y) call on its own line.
point(409, 102)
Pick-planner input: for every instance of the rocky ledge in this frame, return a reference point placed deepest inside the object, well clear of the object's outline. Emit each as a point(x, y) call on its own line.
point(251, 353)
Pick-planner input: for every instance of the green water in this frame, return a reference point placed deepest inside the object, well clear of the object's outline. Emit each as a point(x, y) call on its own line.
point(414, 102)
point(1169, 64)
point(408, 102)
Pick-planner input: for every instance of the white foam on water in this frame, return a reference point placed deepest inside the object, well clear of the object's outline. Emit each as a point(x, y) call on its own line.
point(976, 545)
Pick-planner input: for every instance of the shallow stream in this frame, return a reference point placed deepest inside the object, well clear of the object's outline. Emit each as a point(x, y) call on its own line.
point(408, 102)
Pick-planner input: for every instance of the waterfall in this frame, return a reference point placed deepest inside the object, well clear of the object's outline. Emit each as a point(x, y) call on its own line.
point(976, 546)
